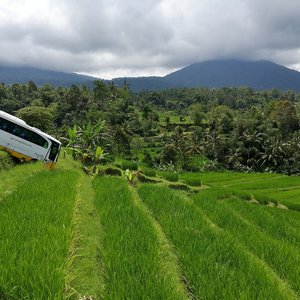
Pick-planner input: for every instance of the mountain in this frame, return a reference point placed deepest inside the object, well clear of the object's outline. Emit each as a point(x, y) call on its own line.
point(257, 74)
point(211, 74)
point(11, 75)
point(221, 73)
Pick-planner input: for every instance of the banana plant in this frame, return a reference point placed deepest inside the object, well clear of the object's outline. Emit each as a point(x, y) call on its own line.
point(72, 140)
point(132, 176)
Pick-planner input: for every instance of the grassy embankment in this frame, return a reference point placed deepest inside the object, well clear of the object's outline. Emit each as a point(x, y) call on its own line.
point(85, 271)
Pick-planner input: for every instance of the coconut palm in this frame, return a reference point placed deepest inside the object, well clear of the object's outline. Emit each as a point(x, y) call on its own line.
point(234, 159)
point(251, 145)
point(194, 145)
point(274, 153)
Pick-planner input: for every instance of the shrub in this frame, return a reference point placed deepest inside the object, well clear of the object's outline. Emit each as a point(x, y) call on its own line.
point(193, 182)
point(144, 179)
point(149, 172)
point(113, 171)
point(179, 186)
point(242, 195)
point(262, 199)
point(109, 158)
point(5, 161)
point(191, 168)
point(170, 176)
point(211, 166)
point(147, 158)
point(131, 165)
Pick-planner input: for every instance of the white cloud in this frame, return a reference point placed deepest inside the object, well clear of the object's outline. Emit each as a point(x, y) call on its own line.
point(112, 38)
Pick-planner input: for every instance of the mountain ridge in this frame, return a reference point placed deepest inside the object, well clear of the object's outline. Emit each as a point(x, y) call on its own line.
point(10, 75)
point(262, 75)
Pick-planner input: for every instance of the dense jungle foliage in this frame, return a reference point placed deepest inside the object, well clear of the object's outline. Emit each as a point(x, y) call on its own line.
point(189, 128)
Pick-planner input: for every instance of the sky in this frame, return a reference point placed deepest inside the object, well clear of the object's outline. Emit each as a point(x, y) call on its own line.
point(116, 38)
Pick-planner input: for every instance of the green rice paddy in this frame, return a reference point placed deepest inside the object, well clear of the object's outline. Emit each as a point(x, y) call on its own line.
point(66, 236)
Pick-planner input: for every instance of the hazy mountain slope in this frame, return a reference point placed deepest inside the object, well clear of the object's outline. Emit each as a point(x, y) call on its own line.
point(11, 75)
point(212, 74)
point(259, 75)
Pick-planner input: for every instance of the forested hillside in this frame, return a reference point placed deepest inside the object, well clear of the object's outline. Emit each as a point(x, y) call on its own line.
point(192, 129)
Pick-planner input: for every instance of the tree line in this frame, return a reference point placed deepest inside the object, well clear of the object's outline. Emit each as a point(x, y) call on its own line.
point(188, 128)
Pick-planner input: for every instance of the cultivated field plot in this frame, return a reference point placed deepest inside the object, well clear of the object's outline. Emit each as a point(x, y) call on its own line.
point(284, 189)
point(35, 229)
point(67, 236)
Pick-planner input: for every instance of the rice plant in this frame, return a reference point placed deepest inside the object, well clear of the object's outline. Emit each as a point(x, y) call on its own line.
point(130, 165)
point(274, 222)
point(170, 176)
point(214, 264)
point(130, 245)
point(149, 172)
point(280, 255)
point(35, 233)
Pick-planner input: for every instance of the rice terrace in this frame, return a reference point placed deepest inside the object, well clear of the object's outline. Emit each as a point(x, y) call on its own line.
point(65, 235)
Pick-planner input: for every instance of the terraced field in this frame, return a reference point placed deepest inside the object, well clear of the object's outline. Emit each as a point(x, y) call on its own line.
point(67, 236)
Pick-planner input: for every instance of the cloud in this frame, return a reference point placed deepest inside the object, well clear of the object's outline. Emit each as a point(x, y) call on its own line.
point(112, 38)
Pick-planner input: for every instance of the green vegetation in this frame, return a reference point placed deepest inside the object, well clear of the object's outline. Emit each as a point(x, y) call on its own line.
point(170, 176)
point(10, 179)
point(130, 246)
point(130, 165)
point(194, 129)
point(193, 182)
point(211, 227)
point(66, 235)
point(5, 161)
point(214, 264)
point(85, 272)
point(149, 172)
point(35, 232)
point(281, 256)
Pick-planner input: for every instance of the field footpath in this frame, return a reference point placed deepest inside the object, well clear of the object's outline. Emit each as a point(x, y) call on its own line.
point(85, 273)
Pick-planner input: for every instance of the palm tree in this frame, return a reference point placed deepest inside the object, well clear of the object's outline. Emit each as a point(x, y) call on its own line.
point(252, 141)
point(211, 144)
point(274, 153)
point(234, 159)
point(195, 145)
point(175, 147)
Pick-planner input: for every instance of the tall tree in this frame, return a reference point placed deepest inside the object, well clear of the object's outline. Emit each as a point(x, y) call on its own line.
point(285, 117)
